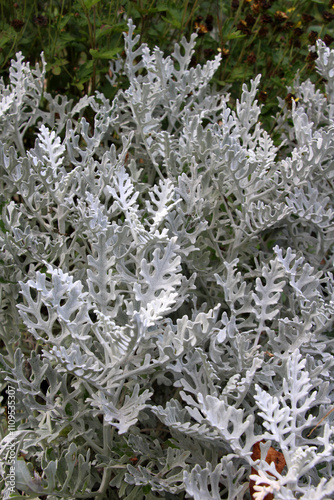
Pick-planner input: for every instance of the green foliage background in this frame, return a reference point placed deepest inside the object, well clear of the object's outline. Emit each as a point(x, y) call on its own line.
point(254, 36)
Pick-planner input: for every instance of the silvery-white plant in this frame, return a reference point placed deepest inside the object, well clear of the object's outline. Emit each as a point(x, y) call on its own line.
point(167, 294)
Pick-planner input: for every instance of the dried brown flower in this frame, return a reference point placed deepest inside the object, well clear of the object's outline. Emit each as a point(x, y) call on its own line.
point(307, 18)
point(261, 5)
point(266, 19)
point(225, 53)
point(263, 96)
point(251, 58)
point(288, 26)
point(209, 22)
point(328, 16)
point(328, 39)
point(202, 29)
point(297, 32)
point(203, 26)
point(265, 5)
point(41, 20)
point(312, 56)
point(256, 7)
point(288, 99)
point(272, 456)
point(280, 16)
point(208, 53)
point(242, 26)
point(250, 20)
point(263, 32)
point(17, 24)
point(295, 42)
point(313, 36)
point(235, 4)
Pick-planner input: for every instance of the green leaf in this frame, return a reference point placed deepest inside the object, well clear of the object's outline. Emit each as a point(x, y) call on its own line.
point(5, 282)
point(65, 431)
point(147, 488)
point(107, 29)
point(221, 83)
point(278, 81)
point(64, 21)
point(90, 3)
point(80, 86)
point(85, 71)
point(66, 38)
point(235, 35)
point(3, 227)
point(5, 37)
point(158, 8)
point(173, 22)
point(105, 54)
point(56, 70)
point(171, 444)
point(175, 17)
point(239, 73)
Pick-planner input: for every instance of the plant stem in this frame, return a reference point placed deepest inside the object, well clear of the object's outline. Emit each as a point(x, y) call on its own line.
point(92, 40)
point(55, 38)
point(183, 16)
point(192, 13)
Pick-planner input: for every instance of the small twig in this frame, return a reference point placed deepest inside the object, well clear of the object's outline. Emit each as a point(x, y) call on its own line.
point(323, 418)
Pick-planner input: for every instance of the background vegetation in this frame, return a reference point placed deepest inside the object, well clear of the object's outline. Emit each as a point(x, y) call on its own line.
point(254, 36)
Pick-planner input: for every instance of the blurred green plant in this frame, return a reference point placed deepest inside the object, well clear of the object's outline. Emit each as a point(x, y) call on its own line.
point(254, 36)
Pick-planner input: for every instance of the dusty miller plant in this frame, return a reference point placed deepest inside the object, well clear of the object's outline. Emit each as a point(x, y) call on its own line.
point(166, 286)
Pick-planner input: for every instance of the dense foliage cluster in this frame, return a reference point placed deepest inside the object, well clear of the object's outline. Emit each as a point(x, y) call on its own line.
point(167, 294)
